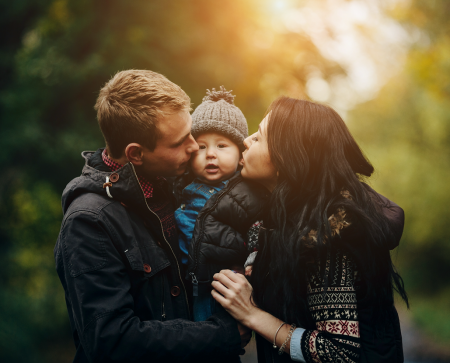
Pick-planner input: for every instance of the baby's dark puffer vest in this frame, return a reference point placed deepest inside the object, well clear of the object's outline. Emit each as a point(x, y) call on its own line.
point(220, 234)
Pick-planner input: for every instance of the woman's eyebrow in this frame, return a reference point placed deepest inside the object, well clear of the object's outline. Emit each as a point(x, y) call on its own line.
point(259, 129)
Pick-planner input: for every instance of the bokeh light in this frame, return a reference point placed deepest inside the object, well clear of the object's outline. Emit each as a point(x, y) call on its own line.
point(383, 65)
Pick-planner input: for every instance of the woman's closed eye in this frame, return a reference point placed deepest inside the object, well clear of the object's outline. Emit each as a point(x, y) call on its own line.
point(254, 138)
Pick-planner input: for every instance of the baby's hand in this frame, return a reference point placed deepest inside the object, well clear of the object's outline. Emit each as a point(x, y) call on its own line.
point(249, 263)
point(248, 270)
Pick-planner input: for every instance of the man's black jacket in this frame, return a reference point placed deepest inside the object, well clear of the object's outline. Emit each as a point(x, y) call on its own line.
point(123, 286)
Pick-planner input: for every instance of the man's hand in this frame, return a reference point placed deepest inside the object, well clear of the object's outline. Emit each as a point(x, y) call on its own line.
point(246, 334)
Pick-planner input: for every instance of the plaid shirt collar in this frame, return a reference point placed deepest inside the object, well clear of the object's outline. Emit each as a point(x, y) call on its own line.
point(146, 186)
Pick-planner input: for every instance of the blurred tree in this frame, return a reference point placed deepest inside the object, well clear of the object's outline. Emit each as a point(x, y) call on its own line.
point(77, 45)
point(54, 57)
point(406, 133)
point(56, 54)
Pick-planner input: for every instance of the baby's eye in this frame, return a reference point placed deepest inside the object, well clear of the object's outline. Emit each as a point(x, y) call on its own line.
point(220, 146)
point(202, 147)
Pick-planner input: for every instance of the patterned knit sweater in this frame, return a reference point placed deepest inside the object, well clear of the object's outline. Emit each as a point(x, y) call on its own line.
point(332, 303)
point(334, 311)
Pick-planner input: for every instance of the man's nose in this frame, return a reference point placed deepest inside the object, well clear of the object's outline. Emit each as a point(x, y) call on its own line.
point(193, 146)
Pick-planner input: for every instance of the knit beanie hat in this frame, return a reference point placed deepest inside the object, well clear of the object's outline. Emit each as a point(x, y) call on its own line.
point(217, 113)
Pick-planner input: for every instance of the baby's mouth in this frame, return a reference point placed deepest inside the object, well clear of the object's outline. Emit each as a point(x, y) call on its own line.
point(212, 168)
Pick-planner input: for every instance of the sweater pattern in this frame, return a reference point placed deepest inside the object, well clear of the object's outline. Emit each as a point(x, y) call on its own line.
point(333, 306)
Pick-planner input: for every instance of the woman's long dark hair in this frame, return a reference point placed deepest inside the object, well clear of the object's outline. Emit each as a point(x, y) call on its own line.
point(317, 158)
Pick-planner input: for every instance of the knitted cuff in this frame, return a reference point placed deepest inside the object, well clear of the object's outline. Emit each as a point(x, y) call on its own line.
point(250, 259)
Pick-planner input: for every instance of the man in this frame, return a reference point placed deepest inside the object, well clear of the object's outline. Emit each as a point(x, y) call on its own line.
point(117, 251)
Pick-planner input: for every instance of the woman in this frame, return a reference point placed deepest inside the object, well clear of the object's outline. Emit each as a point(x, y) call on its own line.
point(323, 279)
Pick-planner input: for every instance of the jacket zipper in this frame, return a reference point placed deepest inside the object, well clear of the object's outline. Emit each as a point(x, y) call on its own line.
point(163, 310)
point(168, 244)
point(197, 244)
point(194, 284)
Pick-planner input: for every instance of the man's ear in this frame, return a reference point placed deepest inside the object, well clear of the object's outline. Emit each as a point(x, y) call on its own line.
point(134, 153)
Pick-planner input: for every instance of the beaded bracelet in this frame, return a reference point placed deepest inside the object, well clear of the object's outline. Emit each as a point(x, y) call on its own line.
point(275, 337)
point(283, 347)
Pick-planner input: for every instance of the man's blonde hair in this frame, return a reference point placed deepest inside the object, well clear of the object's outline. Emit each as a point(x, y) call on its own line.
point(129, 105)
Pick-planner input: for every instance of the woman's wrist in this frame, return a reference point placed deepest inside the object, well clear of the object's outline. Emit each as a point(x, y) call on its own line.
point(270, 328)
point(251, 320)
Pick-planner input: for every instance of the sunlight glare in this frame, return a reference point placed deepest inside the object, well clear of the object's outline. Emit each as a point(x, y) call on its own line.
point(279, 5)
point(318, 89)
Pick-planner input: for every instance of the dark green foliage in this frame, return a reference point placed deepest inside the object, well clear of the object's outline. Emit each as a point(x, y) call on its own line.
point(406, 133)
point(55, 55)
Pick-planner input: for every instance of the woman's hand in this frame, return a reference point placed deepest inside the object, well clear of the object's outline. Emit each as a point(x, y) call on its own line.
point(234, 293)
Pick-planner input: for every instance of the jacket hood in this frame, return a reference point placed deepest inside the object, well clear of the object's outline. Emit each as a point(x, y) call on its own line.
point(395, 216)
point(124, 186)
point(391, 211)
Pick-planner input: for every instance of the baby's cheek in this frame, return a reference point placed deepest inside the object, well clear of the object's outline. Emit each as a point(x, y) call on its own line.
point(196, 162)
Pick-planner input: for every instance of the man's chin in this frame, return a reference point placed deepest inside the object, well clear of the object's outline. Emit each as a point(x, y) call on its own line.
point(179, 171)
point(174, 173)
point(170, 173)
point(182, 169)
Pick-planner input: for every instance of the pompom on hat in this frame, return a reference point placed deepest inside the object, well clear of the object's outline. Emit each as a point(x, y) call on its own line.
point(217, 113)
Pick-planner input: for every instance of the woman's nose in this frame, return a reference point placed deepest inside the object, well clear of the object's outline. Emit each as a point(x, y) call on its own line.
point(248, 142)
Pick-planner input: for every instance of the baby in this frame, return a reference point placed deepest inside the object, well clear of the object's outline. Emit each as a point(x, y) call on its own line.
point(218, 213)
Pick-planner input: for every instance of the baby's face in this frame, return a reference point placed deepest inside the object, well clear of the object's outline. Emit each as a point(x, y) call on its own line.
point(217, 158)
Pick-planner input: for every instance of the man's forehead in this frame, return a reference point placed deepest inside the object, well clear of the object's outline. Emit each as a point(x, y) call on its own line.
point(173, 121)
point(173, 127)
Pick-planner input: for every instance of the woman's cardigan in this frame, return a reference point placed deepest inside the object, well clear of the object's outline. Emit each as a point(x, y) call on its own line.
point(341, 311)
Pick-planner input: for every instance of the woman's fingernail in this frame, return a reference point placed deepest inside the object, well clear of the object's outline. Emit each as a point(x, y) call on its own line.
point(234, 271)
